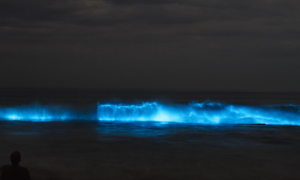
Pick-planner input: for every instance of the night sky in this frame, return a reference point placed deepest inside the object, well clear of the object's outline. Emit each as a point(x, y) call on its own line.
point(190, 45)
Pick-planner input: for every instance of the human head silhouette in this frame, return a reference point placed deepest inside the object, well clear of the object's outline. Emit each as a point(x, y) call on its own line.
point(15, 157)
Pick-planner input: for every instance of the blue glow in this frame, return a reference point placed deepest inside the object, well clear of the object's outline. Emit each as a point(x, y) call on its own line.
point(202, 113)
point(35, 112)
point(211, 113)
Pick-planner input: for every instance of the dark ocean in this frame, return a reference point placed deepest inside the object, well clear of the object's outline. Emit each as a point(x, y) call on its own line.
point(92, 134)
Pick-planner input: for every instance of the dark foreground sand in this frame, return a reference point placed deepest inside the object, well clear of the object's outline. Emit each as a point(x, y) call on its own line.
point(91, 150)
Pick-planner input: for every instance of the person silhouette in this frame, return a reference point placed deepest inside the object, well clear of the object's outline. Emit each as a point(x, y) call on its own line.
point(15, 171)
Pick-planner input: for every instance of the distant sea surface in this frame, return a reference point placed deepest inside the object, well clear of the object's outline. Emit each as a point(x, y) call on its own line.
point(15, 96)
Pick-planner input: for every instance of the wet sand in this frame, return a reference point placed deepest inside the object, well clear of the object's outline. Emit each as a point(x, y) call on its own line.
point(93, 150)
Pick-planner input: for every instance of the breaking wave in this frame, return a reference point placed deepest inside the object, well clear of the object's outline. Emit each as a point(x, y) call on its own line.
point(201, 113)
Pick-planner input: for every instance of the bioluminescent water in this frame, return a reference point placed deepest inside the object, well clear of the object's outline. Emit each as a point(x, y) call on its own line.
point(208, 113)
point(37, 112)
point(201, 113)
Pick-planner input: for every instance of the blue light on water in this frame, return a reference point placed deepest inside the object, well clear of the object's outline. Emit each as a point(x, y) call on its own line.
point(211, 113)
point(202, 113)
point(140, 112)
point(34, 112)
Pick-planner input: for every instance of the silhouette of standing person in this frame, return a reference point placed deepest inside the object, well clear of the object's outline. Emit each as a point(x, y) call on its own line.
point(15, 172)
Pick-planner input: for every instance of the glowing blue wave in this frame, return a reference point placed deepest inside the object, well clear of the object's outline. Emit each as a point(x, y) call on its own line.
point(202, 113)
point(36, 112)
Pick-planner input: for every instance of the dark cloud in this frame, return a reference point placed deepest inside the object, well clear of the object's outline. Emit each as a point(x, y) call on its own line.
point(34, 10)
point(197, 38)
point(109, 12)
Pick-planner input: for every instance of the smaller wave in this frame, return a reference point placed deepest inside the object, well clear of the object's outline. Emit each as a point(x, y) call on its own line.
point(37, 112)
